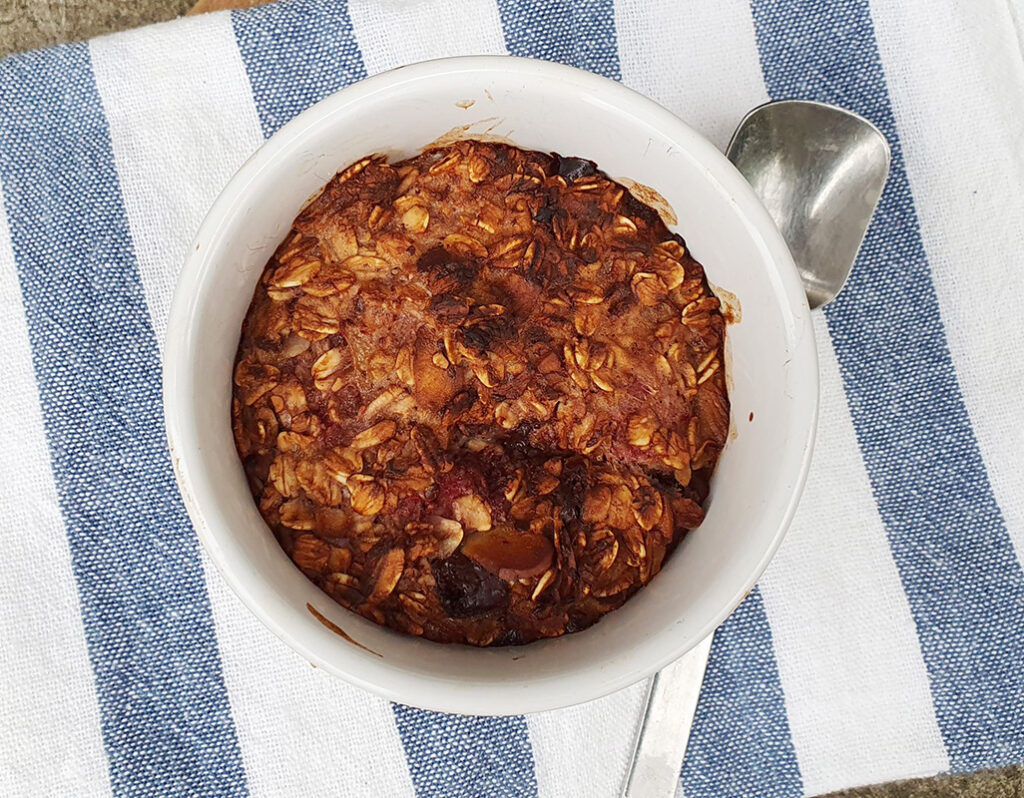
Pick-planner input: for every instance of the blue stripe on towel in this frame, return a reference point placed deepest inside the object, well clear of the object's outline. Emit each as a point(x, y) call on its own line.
point(740, 744)
point(948, 537)
point(576, 32)
point(448, 755)
point(166, 720)
point(296, 54)
point(459, 756)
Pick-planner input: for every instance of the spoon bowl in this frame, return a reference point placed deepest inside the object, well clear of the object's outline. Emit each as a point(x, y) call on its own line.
point(819, 170)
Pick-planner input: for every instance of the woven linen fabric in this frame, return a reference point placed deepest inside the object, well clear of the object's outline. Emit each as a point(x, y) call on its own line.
point(886, 639)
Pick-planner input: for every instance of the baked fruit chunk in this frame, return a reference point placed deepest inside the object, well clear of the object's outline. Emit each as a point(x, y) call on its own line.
point(479, 393)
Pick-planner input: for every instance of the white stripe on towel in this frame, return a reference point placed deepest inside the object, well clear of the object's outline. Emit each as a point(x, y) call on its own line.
point(395, 34)
point(860, 710)
point(706, 70)
point(559, 737)
point(301, 731)
point(182, 121)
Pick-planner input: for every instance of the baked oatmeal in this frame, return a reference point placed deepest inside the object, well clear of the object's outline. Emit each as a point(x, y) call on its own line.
point(479, 393)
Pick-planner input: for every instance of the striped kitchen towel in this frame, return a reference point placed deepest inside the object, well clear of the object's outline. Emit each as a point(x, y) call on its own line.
point(886, 639)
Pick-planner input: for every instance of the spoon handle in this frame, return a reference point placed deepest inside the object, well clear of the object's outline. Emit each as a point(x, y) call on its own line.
point(669, 708)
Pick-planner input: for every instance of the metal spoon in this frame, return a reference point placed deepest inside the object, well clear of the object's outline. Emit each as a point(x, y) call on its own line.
point(819, 170)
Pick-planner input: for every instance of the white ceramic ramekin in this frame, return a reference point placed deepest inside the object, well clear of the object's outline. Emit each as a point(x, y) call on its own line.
point(773, 376)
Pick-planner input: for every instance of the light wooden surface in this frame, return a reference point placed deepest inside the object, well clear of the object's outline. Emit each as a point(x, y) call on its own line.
point(220, 5)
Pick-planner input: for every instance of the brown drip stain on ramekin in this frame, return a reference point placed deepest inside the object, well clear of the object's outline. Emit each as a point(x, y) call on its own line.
point(337, 629)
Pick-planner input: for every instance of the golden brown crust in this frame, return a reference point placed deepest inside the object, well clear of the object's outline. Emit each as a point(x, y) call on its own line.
point(479, 393)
